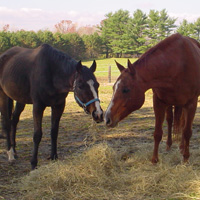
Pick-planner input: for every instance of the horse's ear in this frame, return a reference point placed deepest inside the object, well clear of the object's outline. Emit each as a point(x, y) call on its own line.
point(120, 67)
point(131, 67)
point(79, 67)
point(93, 67)
point(129, 62)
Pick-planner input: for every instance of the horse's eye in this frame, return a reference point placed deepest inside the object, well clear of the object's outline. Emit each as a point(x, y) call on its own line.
point(125, 90)
point(81, 86)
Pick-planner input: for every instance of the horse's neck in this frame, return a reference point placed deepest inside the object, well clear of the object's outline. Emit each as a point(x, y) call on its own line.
point(153, 75)
point(65, 77)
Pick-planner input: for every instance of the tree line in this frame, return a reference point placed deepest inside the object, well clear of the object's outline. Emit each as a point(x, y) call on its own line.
point(120, 34)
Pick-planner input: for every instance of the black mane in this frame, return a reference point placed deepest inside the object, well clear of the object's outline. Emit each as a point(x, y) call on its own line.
point(57, 58)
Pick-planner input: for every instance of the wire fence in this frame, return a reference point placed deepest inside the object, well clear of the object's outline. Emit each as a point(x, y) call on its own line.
point(108, 76)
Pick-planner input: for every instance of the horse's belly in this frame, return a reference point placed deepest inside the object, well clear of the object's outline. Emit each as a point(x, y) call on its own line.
point(175, 98)
point(21, 95)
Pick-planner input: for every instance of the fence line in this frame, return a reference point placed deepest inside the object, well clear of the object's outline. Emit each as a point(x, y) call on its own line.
point(108, 77)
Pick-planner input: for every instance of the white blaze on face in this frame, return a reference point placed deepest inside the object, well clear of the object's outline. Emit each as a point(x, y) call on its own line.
point(111, 102)
point(99, 111)
point(11, 155)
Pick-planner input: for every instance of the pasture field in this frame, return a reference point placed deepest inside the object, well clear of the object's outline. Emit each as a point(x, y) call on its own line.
point(96, 163)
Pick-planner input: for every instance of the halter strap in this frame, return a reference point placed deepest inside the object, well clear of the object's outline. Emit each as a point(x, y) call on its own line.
point(84, 105)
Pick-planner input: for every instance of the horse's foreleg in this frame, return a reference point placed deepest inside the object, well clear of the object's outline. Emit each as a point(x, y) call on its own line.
point(169, 119)
point(38, 111)
point(15, 119)
point(189, 113)
point(159, 110)
point(55, 119)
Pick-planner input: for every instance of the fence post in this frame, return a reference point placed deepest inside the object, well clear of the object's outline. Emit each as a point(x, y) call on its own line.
point(109, 74)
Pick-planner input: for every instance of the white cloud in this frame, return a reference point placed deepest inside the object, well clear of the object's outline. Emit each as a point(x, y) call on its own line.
point(181, 16)
point(35, 19)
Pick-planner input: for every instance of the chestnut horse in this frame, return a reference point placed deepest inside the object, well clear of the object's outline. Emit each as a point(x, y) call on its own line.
point(172, 70)
point(175, 122)
point(43, 77)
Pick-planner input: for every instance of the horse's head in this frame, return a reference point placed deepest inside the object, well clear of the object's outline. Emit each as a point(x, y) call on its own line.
point(86, 91)
point(127, 96)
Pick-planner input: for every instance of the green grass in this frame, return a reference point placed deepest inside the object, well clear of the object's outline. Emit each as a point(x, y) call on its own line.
point(103, 66)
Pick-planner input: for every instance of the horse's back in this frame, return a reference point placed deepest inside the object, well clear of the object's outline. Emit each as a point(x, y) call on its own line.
point(28, 74)
point(16, 65)
point(177, 61)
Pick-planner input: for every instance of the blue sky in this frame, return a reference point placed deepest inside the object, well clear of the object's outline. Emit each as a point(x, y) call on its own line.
point(44, 14)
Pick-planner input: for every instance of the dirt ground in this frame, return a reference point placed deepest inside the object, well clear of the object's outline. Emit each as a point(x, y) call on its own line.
point(77, 132)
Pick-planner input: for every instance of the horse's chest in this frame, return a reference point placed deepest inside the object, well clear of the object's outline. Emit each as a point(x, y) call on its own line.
point(51, 100)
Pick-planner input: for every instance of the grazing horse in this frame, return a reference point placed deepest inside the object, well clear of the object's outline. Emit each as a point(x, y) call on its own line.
point(175, 122)
point(172, 70)
point(43, 77)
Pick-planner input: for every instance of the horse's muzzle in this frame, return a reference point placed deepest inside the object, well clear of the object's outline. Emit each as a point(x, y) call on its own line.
point(97, 117)
point(109, 122)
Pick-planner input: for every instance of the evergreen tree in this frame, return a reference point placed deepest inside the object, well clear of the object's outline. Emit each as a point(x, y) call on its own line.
point(92, 44)
point(114, 31)
point(137, 33)
point(160, 26)
point(4, 41)
point(45, 37)
point(197, 29)
point(186, 28)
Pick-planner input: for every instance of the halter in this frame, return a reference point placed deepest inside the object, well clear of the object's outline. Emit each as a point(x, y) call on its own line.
point(84, 105)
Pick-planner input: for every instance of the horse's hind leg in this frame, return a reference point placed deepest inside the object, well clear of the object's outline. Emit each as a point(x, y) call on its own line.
point(169, 119)
point(159, 110)
point(55, 119)
point(15, 119)
point(5, 103)
point(189, 113)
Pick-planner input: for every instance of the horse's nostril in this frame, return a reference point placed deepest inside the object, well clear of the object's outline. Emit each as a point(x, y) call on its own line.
point(102, 116)
point(97, 117)
point(108, 121)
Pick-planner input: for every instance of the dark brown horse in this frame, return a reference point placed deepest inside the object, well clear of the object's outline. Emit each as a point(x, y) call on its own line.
point(172, 69)
point(43, 77)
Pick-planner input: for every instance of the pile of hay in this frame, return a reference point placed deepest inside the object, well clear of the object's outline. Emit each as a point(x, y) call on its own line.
point(101, 174)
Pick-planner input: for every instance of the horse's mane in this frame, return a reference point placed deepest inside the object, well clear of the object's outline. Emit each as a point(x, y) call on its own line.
point(160, 46)
point(57, 58)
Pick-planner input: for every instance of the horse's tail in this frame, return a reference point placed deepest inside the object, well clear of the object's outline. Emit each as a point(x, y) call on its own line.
point(178, 121)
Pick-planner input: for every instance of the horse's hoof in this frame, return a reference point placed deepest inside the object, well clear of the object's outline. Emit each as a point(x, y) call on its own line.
point(168, 148)
point(16, 156)
point(154, 160)
point(11, 155)
point(54, 157)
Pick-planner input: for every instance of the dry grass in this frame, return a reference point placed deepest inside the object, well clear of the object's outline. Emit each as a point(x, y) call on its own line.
point(96, 163)
point(115, 164)
point(100, 173)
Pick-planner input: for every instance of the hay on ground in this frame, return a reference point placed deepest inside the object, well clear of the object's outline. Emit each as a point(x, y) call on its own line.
point(100, 174)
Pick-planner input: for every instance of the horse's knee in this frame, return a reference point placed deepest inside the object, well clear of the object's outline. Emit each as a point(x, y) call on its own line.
point(37, 137)
point(158, 136)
